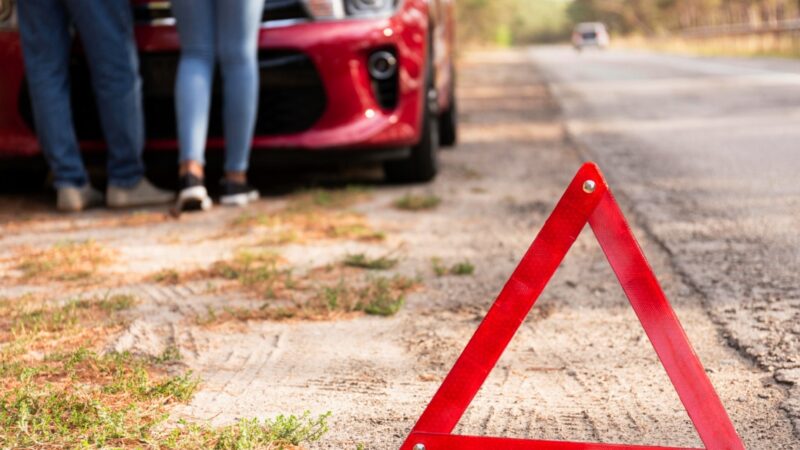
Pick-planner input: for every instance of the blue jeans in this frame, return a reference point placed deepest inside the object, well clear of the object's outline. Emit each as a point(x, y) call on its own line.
point(209, 30)
point(106, 31)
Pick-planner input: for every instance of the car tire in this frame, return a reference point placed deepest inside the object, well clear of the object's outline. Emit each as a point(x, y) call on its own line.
point(448, 120)
point(423, 163)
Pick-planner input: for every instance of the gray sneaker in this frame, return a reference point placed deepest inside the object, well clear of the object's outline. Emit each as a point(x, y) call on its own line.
point(74, 199)
point(141, 194)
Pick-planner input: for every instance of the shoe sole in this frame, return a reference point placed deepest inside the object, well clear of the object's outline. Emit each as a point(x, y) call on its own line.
point(194, 199)
point(239, 199)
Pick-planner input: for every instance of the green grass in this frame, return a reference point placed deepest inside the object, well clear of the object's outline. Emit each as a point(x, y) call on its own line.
point(361, 261)
point(383, 296)
point(412, 202)
point(82, 399)
point(462, 268)
point(252, 433)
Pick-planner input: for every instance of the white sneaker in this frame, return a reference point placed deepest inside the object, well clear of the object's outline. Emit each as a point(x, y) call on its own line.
point(74, 199)
point(237, 194)
point(141, 194)
point(193, 195)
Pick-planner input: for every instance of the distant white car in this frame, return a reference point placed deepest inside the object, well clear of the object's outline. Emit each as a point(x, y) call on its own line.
point(590, 34)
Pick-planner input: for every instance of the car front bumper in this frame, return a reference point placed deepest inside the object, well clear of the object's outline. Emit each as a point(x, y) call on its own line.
point(348, 116)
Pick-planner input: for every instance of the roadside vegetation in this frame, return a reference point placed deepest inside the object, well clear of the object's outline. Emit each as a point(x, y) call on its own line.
point(64, 261)
point(319, 294)
point(58, 389)
point(705, 27)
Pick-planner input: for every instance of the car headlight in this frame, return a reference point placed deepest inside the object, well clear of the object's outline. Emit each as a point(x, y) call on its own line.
point(340, 9)
point(369, 7)
point(6, 9)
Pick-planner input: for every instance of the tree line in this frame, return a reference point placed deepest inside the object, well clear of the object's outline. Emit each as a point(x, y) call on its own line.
point(508, 22)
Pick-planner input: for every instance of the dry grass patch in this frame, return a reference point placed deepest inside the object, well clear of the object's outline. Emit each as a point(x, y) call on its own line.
point(324, 293)
point(311, 215)
point(64, 261)
point(417, 202)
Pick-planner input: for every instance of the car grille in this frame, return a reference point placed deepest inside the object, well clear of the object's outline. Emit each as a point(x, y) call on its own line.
point(159, 13)
point(292, 97)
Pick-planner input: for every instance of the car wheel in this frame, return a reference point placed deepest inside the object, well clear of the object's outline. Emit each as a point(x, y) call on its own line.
point(423, 163)
point(448, 120)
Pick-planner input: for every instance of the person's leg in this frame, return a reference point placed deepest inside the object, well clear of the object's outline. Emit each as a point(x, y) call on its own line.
point(106, 32)
point(196, 28)
point(237, 43)
point(46, 42)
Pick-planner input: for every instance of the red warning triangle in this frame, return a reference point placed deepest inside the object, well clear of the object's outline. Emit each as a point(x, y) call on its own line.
point(587, 199)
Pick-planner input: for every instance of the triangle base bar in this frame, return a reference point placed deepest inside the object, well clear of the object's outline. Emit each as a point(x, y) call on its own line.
point(586, 200)
point(436, 441)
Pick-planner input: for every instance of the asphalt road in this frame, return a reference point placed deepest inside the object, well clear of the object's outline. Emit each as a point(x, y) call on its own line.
point(705, 153)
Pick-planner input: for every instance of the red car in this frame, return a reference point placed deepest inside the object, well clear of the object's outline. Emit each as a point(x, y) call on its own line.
point(355, 79)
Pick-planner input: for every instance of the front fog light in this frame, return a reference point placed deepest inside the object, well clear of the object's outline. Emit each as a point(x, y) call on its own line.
point(382, 65)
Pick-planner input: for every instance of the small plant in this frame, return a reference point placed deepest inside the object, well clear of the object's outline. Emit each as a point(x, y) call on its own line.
point(438, 268)
point(383, 297)
point(411, 202)
point(118, 302)
point(462, 268)
point(361, 261)
point(167, 276)
point(278, 433)
point(459, 269)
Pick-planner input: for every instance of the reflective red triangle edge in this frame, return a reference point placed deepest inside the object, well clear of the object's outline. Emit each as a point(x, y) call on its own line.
point(587, 199)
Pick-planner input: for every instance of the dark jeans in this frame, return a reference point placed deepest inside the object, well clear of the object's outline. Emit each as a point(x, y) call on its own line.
point(106, 31)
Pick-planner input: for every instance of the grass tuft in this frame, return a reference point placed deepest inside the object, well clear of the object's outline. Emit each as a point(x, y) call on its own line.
point(462, 268)
point(361, 261)
point(412, 202)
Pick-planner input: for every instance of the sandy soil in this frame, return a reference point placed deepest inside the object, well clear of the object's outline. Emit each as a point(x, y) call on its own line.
point(580, 367)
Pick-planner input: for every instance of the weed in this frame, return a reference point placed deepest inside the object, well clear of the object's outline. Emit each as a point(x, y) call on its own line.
point(64, 261)
point(167, 276)
point(462, 268)
point(253, 433)
point(412, 202)
point(360, 260)
point(118, 302)
point(438, 268)
point(82, 399)
point(384, 297)
point(171, 354)
point(459, 269)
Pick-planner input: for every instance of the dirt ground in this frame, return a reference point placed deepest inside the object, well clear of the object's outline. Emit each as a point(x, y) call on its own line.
point(579, 369)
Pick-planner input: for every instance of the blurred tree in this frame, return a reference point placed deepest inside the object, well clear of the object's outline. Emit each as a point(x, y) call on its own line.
point(505, 22)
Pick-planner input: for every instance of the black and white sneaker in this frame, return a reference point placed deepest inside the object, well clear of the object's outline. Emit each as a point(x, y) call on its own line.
point(237, 194)
point(193, 195)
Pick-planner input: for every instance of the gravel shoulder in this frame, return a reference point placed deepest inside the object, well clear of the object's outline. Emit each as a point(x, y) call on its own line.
point(579, 369)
